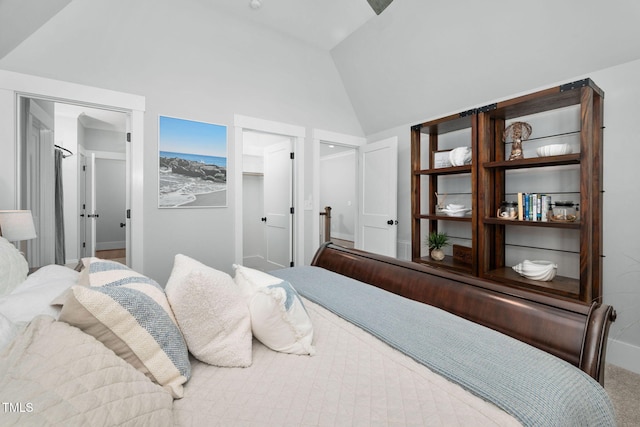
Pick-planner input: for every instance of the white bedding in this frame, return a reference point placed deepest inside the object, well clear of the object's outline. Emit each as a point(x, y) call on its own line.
point(54, 374)
point(354, 379)
point(33, 296)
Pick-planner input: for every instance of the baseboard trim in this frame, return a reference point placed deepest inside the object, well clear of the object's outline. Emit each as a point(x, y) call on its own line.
point(106, 246)
point(343, 236)
point(624, 355)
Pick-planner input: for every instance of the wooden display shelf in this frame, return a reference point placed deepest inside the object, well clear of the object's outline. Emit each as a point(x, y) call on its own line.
point(451, 170)
point(490, 176)
point(448, 263)
point(551, 224)
point(533, 162)
point(560, 285)
point(437, 217)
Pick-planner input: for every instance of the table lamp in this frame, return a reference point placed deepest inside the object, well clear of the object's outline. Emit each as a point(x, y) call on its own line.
point(16, 226)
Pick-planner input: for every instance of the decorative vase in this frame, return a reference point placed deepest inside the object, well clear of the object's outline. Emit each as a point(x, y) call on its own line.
point(437, 254)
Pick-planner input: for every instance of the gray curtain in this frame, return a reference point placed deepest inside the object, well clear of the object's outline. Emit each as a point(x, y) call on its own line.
point(59, 209)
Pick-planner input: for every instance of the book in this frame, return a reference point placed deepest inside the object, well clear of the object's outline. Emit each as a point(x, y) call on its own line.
point(520, 207)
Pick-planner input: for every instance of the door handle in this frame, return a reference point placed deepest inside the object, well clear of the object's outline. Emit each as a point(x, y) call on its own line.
point(392, 222)
point(93, 216)
point(122, 224)
point(263, 219)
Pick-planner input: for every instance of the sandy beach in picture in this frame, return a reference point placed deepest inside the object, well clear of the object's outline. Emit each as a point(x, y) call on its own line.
point(217, 198)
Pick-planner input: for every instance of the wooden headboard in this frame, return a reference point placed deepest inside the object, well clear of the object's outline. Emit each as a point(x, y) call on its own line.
point(572, 331)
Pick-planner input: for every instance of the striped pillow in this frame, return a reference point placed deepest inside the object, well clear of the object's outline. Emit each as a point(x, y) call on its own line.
point(129, 313)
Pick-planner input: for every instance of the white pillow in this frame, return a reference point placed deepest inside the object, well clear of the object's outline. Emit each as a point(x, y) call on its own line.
point(13, 267)
point(33, 296)
point(278, 316)
point(250, 280)
point(211, 312)
point(130, 314)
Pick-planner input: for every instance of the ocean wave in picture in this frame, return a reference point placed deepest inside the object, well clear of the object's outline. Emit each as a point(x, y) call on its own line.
point(185, 182)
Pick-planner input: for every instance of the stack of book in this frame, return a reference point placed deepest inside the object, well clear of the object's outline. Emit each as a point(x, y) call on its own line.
point(533, 207)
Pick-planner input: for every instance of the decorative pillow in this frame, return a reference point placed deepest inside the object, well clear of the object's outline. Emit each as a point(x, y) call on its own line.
point(250, 280)
point(211, 313)
point(278, 316)
point(13, 267)
point(129, 313)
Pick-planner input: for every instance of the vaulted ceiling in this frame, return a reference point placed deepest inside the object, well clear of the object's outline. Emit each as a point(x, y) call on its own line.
point(423, 58)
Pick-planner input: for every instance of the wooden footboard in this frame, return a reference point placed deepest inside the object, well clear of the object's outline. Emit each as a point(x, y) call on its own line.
point(572, 331)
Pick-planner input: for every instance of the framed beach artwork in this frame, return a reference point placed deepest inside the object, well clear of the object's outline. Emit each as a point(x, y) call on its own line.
point(193, 164)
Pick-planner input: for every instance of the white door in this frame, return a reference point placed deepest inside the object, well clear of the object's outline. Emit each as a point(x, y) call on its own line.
point(127, 211)
point(277, 205)
point(377, 210)
point(90, 211)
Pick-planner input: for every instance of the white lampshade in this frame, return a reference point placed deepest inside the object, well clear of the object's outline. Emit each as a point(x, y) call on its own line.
point(17, 225)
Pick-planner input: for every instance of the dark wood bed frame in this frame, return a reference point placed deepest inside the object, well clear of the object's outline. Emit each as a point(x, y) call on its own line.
point(572, 331)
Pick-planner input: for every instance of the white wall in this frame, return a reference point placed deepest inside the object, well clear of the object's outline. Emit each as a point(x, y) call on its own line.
point(424, 58)
point(192, 63)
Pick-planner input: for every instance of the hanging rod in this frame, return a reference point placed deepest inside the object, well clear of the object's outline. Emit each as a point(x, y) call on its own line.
point(64, 149)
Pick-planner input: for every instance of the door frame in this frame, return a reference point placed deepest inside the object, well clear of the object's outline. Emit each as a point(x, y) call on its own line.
point(324, 136)
point(297, 134)
point(13, 85)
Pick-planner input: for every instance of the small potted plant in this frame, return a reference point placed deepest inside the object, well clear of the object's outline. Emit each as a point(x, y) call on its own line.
point(436, 242)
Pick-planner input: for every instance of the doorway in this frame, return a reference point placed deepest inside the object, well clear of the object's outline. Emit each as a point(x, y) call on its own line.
point(14, 86)
point(78, 132)
point(338, 190)
point(295, 135)
point(376, 222)
point(268, 189)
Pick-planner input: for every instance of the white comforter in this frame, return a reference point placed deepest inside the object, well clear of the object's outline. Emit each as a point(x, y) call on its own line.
point(55, 374)
point(354, 379)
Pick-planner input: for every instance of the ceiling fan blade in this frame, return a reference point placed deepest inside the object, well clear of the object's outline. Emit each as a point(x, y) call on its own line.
point(379, 5)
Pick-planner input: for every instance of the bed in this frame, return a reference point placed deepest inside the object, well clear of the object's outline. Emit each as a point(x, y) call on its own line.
point(353, 339)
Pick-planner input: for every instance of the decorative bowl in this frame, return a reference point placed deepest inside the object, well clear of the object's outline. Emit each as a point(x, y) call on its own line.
point(536, 270)
point(460, 156)
point(453, 207)
point(456, 212)
point(553, 150)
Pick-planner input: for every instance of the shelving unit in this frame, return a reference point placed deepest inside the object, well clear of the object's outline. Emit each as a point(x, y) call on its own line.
point(445, 133)
point(571, 112)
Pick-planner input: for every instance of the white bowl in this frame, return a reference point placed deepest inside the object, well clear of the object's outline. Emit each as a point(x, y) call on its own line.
point(553, 150)
point(536, 270)
point(453, 207)
point(456, 212)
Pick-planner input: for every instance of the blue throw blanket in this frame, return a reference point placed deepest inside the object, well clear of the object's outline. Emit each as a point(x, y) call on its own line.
point(535, 387)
